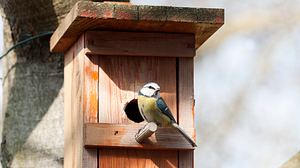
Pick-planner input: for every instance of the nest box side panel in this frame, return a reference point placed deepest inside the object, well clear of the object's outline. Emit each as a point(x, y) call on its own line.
point(80, 104)
point(68, 142)
point(120, 78)
point(73, 119)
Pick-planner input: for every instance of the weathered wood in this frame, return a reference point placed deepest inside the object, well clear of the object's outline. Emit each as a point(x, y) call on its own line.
point(91, 80)
point(81, 97)
point(140, 44)
point(68, 140)
point(77, 104)
point(87, 15)
point(145, 132)
point(90, 104)
point(123, 136)
point(186, 105)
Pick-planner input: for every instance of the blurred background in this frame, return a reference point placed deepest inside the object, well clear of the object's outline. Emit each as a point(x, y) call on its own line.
point(247, 90)
point(247, 84)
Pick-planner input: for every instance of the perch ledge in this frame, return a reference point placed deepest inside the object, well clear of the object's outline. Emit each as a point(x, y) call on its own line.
point(145, 132)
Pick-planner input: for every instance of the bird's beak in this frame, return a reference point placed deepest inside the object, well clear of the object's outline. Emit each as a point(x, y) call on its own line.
point(157, 93)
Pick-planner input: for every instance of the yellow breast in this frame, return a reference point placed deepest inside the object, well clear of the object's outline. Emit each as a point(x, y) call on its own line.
point(150, 112)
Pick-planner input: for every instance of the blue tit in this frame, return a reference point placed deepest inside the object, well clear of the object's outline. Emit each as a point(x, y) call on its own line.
point(154, 109)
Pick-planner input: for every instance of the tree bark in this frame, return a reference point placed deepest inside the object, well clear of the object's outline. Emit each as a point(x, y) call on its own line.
point(32, 118)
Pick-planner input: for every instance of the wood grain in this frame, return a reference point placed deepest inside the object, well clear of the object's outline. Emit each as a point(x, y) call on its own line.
point(140, 44)
point(80, 82)
point(73, 111)
point(186, 105)
point(87, 15)
point(133, 158)
point(123, 136)
point(68, 140)
point(91, 79)
point(120, 78)
point(77, 103)
point(90, 104)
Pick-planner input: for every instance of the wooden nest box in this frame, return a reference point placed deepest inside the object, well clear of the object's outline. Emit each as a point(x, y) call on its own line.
point(110, 51)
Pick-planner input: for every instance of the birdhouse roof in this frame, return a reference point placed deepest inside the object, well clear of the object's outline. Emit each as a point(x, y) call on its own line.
point(87, 15)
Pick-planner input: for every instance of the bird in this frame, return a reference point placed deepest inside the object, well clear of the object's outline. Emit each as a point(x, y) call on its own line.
point(153, 108)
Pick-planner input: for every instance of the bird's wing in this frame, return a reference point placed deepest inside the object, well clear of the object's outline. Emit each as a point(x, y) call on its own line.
point(162, 105)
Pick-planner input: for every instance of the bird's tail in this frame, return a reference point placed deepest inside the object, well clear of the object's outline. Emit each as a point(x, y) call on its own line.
point(186, 136)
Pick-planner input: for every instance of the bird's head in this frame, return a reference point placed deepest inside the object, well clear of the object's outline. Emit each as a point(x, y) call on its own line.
point(150, 89)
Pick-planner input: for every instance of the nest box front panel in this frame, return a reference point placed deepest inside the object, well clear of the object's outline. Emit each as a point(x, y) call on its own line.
point(120, 78)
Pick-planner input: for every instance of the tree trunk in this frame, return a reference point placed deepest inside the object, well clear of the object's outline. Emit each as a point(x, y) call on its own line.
point(32, 118)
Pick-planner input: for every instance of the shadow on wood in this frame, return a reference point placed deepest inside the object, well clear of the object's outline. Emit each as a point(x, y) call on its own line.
point(123, 136)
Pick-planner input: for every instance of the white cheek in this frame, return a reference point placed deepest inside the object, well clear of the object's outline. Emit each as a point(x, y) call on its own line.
point(147, 92)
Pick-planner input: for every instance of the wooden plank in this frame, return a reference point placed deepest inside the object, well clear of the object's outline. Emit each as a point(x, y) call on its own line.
point(79, 107)
point(90, 103)
point(77, 104)
point(140, 44)
point(120, 135)
point(68, 140)
point(81, 104)
point(120, 78)
point(73, 78)
point(133, 158)
point(186, 159)
point(186, 93)
point(87, 15)
point(186, 105)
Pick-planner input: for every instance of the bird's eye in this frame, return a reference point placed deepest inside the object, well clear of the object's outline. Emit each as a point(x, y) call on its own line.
point(151, 87)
